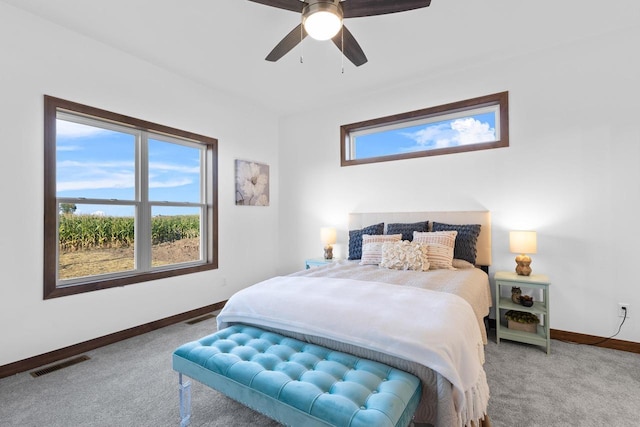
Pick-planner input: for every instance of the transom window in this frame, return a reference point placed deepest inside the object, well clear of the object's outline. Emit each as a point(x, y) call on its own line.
point(126, 200)
point(474, 124)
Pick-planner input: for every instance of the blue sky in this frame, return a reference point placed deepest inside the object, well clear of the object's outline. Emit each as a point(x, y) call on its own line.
point(98, 163)
point(447, 133)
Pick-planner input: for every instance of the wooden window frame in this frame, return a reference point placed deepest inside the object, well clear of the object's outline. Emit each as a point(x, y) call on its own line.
point(498, 99)
point(50, 269)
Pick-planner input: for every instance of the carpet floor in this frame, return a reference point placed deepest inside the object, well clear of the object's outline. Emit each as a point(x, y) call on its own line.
point(131, 383)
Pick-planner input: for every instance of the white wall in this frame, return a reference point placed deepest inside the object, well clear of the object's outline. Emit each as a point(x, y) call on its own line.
point(571, 173)
point(38, 58)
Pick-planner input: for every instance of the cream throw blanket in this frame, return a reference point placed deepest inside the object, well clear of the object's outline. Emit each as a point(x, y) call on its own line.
point(435, 329)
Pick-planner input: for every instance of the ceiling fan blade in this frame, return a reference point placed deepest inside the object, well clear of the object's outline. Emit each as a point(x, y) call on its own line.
point(352, 49)
point(292, 5)
point(359, 8)
point(287, 43)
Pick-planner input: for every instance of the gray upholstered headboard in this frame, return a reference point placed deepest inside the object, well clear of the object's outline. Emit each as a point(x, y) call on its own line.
point(360, 220)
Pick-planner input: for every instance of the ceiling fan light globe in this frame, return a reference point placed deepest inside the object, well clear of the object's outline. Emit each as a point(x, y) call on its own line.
point(322, 25)
point(321, 20)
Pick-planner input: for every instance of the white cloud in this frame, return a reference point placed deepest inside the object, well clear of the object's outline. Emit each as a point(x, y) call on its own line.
point(114, 181)
point(431, 136)
point(472, 131)
point(75, 175)
point(75, 130)
point(94, 166)
point(68, 147)
point(459, 132)
point(170, 183)
point(169, 175)
point(159, 167)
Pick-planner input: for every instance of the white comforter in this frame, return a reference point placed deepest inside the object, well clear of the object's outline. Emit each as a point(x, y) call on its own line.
point(472, 284)
point(435, 329)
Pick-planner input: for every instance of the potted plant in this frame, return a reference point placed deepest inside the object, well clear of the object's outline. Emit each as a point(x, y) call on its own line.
point(522, 321)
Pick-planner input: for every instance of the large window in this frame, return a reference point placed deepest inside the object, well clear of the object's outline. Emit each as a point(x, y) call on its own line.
point(126, 201)
point(474, 124)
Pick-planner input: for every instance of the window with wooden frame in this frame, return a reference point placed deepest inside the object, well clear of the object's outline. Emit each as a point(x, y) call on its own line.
point(474, 124)
point(125, 200)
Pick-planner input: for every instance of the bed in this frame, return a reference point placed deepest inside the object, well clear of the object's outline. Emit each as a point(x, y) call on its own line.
point(428, 323)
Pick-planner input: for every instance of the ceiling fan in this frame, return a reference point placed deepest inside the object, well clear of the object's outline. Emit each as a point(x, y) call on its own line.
point(322, 20)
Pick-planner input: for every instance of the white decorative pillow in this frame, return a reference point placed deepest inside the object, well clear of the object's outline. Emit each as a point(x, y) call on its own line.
point(447, 238)
point(440, 256)
point(440, 247)
point(405, 255)
point(372, 247)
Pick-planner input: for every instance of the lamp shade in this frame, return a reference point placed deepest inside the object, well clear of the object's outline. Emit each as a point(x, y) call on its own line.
point(328, 235)
point(523, 242)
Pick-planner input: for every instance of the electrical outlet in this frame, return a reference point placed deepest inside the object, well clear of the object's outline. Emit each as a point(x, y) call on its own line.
point(622, 307)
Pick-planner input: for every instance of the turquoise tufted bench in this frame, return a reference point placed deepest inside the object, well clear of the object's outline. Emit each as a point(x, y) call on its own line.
point(296, 383)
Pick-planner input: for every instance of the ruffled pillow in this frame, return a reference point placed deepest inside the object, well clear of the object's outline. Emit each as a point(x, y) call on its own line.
point(405, 255)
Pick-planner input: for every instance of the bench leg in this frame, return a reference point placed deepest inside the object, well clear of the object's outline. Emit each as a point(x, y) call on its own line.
point(185, 401)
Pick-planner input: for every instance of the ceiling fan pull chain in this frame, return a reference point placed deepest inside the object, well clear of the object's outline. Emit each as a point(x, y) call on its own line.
point(301, 44)
point(342, 41)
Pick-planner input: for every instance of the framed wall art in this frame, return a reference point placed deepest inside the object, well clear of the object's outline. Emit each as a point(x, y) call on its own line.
point(252, 183)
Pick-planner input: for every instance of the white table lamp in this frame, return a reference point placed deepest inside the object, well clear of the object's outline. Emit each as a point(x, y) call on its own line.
point(328, 237)
point(523, 243)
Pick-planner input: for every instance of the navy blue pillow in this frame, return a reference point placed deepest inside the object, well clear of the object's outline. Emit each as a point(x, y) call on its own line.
point(355, 239)
point(465, 240)
point(407, 229)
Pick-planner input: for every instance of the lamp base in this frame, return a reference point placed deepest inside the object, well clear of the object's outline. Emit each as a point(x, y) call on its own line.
point(523, 261)
point(328, 252)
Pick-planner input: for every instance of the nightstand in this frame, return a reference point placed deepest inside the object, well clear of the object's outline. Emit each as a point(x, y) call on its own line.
point(507, 279)
point(317, 262)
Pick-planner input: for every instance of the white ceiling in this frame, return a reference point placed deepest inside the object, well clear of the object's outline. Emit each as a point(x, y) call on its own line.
point(222, 43)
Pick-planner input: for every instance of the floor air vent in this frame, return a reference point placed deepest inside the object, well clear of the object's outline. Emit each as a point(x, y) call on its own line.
point(59, 366)
point(200, 319)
